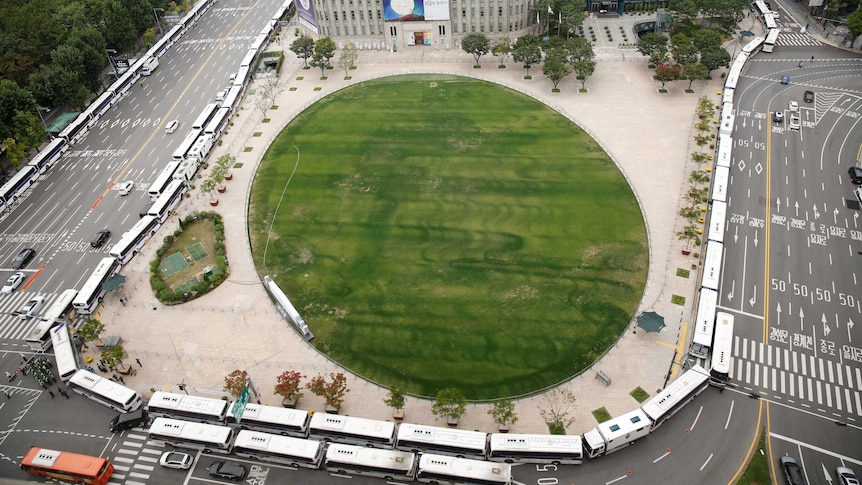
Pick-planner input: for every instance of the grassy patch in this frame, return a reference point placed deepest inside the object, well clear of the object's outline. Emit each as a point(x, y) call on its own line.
point(601, 415)
point(682, 273)
point(257, 133)
point(238, 165)
point(292, 88)
point(757, 472)
point(639, 394)
point(554, 428)
point(677, 300)
point(247, 149)
point(274, 107)
point(318, 89)
point(443, 252)
point(265, 120)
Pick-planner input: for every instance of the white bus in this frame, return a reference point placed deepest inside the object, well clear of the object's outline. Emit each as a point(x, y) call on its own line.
point(162, 180)
point(65, 354)
point(199, 436)
point(769, 22)
point(194, 408)
point(536, 448)
point(372, 462)
point(349, 429)
point(771, 39)
point(273, 419)
point(712, 265)
point(752, 46)
point(16, 186)
point(462, 471)
point(90, 295)
point(725, 151)
point(105, 391)
point(458, 442)
point(206, 115)
point(675, 396)
point(169, 199)
point(39, 339)
point(218, 122)
point(704, 324)
point(232, 98)
point(44, 159)
point(181, 151)
point(722, 345)
point(274, 448)
point(717, 220)
point(134, 239)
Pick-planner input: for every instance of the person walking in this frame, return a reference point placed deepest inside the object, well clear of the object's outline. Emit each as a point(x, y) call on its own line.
point(139, 362)
point(122, 380)
point(63, 392)
point(51, 393)
point(8, 396)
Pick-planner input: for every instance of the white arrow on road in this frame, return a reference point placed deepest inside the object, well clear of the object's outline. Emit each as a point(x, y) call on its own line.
point(753, 299)
point(835, 215)
point(796, 205)
point(755, 238)
point(856, 219)
point(777, 204)
point(778, 317)
point(732, 287)
point(816, 214)
point(801, 319)
point(736, 234)
point(849, 327)
point(826, 473)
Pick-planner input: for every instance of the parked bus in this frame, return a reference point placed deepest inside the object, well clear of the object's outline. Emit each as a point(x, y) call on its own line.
point(65, 354)
point(372, 462)
point(134, 239)
point(162, 180)
point(722, 345)
point(210, 438)
point(91, 294)
point(760, 8)
point(771, 39)
point(420, 438)
point(704, 324)
point(39, 339)
point(206, 115)
point(751, 47)
point(725, 151)
point(218, 122)
point(675, 396)
point(16, 186)
point(717, 221)
point(274, 448)
point(46, 158)
point(180, 153)
point(448, 470)
point(349, 429)
point(536, 448)
point(68, 467)
point(169, 199)
point(232, 98)
point(273, 419)
point(712, 265)
point(769, 22)
point(192, 408)
point(105, 391)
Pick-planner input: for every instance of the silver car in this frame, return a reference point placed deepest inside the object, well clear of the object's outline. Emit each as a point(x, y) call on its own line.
point(846, 476)
point(12, 283)
point(32, 306)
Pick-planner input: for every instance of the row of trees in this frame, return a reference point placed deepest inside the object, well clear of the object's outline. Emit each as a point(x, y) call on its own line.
point(684, 57)
point(560, 57)
point(698, 191)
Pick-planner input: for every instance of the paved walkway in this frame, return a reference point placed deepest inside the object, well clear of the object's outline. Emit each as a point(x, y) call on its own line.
point(648, 134)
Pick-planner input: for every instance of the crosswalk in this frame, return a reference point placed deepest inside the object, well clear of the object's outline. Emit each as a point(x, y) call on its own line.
point(135, 459)
point(799, 377)
point(796, 39)
point(12, 327)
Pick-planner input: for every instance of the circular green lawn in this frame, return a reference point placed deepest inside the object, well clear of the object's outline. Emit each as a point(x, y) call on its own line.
point(439, 231)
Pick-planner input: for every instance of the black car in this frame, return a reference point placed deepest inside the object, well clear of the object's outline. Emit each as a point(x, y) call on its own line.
point(100, 238)
point(792, 471)
point(227, 469)
point(855, 174)
point(778, 116)
point(23, 258)
point(809, 96)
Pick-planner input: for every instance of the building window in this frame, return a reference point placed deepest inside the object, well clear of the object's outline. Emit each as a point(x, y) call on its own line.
point(472, 11)
point(441, 29)
point(481, 11)
point(393, 31)
point(354, 30)
point(336, 16)
point(337, 30)
point(363, 30)
point(499, 11)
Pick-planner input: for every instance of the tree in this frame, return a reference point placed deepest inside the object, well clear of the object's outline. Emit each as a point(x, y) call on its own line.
point(503, 412)
point(303, 47)
point(698, 177)
point(683, 49)
point(324, 49)
point(118, 27)
point(854, 24)
point(332, 390)
point(113, 357)
point(502, 49)
point(90, 42)
point(52, 85)
point(705, 39)
point(583, 70)
point(450, 404)
point(694, 72)
point(705, 107)
point(222, 167)
point(477, 44)
point(267, 94)
point(714, 58)
point(235, 382)
point(667, 72)
point(348, 56)
point(684, 10)
point(14, 151)
point(13, 99)
point(579, 50)
point(654, 46)
point(91, 330)
point(395, 398)
point(555, 408)
point(208, 186)
point(528, 50)
point(555, 67)
point(288, 385)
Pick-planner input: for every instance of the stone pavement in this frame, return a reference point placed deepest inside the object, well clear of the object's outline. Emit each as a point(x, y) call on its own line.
point(649, 135)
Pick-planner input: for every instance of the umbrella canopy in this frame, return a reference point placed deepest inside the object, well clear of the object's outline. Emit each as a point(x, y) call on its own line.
point(651, 321)
point(114, 282)
point(746, 33)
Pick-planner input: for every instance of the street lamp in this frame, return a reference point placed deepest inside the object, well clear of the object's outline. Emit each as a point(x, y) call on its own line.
point(108, 52)
point(39, 110)
point(158, 20)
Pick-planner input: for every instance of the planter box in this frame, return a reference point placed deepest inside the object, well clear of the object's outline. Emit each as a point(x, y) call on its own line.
point(214, 202)
point(331, 409)
point(398, 414)
point(503, 428)
point(228, 176)
point(452, 423)
point(289, 403)
point(221, 189)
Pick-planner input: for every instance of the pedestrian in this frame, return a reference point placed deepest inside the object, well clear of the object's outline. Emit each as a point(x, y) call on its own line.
point(114, 376)
point(121, 380)
point(63, 392)
point(51, 393)
point(123, 301)
point(139, 362)
point(812, 58)
point(8, 396)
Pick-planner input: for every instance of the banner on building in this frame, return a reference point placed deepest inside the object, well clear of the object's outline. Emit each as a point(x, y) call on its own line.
point(415, 10)
point(306, 15)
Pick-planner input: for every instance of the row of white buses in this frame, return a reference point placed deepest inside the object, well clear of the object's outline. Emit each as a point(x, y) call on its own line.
point(768, 17)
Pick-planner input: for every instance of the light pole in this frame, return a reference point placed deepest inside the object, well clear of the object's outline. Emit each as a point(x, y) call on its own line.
point(108, 53)
point(158, 20)
point(39, 110)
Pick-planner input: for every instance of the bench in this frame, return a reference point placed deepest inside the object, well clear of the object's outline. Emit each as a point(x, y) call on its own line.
point(604, 378)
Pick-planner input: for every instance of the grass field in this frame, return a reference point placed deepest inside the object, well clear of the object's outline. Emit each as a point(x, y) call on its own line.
point(444, 232)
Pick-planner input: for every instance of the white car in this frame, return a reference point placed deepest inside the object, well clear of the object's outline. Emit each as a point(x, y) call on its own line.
point(124, 188)
point(171, 126)
point(28, 310)
point(794, 106)
point(12, 283)
point(176, 460)
point(795, 122)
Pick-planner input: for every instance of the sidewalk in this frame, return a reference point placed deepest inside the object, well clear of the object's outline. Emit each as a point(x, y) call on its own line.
point(648, 134)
